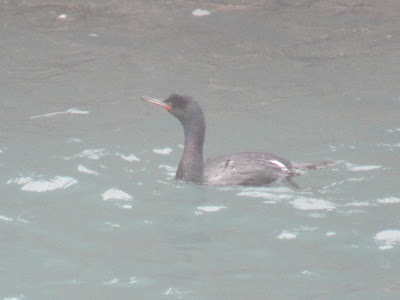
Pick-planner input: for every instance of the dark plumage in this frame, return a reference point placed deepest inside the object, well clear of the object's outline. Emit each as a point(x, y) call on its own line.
point(243, 168)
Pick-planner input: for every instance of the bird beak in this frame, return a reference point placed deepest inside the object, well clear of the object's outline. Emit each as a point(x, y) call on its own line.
point(156, 102)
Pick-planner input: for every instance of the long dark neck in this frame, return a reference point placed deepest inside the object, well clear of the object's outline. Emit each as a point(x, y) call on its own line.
point(191, 165)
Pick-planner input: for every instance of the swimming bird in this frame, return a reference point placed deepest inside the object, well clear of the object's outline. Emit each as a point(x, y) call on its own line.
point(242, 168)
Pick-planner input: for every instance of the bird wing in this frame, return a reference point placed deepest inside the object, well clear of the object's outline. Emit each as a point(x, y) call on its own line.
point(245, 169)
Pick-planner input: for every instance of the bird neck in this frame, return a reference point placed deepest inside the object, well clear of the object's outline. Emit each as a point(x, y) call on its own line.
point(191, 165)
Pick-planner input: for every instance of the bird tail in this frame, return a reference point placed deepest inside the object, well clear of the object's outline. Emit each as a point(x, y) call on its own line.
point(315, 165)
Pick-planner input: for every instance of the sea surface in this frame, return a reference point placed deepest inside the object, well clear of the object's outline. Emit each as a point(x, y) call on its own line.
point(89, 207)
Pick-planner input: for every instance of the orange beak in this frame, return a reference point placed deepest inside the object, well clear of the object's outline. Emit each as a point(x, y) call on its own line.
point(156, 102)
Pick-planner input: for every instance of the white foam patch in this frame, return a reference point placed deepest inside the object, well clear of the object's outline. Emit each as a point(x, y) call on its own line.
point(387, 239)
point(286, 235)
point(355, 168)
point(58, 182)
point(280, 189)
point(304, 203)
point(116, 194)
point(265, 195)
point(308, 228)
point(389, 200)
point(74, 140)
point(276, 190)
point(93, 154)
point(20, 180)
point(133, 280)
point(306, 272)
point(130, 157)
point(113, 224)
point(163, 182)
point(272, 194)
point(167, 168)
point(200, 12)
point(175, 292)
point(270, 202)
point(164, 151)
point(210, 208)
point(257, 194)
point(170, 170)
point(330, 233)
point(62, 17)
point(69, 111)
point(358, 204)
point(389, 146)
point(85, 170)
point(5, 219)
point(23, 221)
point(356, 179)
point(111, 281)
point(126, 206)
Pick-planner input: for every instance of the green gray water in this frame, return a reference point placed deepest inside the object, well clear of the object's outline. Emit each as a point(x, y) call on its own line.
point(88, 206)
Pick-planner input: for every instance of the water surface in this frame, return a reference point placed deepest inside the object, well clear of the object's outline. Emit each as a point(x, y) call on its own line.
point(89, 207)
